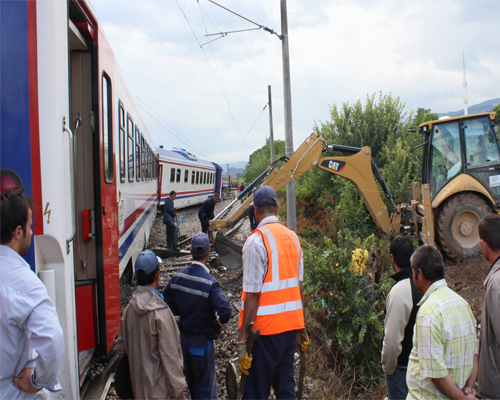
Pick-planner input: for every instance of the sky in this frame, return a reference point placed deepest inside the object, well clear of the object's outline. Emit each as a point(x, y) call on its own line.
point(209, 98)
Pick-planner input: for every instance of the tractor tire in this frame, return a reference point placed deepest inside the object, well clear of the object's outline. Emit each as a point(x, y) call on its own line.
point(457, 225)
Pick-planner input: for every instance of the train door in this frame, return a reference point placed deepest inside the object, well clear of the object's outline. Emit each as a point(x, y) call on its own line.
point(85, 199)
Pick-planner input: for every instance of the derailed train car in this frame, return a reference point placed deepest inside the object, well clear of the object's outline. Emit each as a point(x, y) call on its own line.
point(73, 138)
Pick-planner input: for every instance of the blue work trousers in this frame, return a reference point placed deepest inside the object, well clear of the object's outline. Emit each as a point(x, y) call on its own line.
point(272, 365)
point(396, 384)
point(171, 233)
point(199, 366)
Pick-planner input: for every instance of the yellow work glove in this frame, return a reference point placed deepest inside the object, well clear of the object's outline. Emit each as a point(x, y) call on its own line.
point(245, 359)
point(302, 342)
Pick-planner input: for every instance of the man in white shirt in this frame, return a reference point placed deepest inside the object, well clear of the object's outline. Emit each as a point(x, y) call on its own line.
point(31, 338)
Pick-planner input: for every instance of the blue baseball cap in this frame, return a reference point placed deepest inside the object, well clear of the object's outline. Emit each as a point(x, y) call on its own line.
point(200, 243)
point(147, 261)
point(265, 196)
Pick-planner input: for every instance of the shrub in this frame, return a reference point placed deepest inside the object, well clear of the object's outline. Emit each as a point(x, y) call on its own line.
point(348, 307)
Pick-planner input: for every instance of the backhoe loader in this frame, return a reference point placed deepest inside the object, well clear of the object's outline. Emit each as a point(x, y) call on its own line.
point(460, 184)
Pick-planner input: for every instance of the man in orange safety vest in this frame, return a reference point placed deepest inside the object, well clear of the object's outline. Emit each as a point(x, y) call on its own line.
point(272, 299)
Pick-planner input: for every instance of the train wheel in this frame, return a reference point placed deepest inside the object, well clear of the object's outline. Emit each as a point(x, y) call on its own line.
point(457, 227)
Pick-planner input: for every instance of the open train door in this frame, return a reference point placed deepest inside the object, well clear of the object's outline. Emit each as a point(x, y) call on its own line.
point(95, 258)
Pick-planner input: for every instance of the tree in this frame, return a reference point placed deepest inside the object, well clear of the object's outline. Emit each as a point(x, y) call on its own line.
point(261, 159)
point(497, 119)
point(424, 115)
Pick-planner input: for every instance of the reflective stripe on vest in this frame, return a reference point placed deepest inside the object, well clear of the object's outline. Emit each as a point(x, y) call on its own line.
point(280, 303)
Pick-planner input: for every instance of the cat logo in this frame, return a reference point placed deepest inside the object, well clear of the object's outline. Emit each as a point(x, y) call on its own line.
point(333, 165)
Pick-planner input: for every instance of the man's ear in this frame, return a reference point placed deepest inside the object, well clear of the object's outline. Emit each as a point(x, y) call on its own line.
point(18, 232)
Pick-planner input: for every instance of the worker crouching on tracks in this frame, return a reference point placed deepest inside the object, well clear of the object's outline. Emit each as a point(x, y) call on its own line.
point(273, 299)
point(150, 337)
point(197, 298)
point(206, 212)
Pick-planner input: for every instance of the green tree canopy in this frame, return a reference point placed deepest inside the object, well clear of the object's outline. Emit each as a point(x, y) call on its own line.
point(261, 159)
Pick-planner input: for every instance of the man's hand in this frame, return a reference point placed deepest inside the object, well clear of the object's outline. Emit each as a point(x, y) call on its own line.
point(23, 381)
point(302, 342)
point(244, 358)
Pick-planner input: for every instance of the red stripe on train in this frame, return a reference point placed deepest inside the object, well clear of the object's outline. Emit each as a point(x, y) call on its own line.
point(129, 221)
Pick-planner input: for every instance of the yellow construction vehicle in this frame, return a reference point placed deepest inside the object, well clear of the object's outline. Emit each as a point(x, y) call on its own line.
point(460, 184)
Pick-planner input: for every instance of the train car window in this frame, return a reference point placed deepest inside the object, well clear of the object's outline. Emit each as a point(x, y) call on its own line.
point(155, 166)
point(121, 156)
point(186, 175)
point(130, 155)
point(192, 178)
point(137, 154)
point(197, 177)
point(211, 178)
point(147, 154)
point(107, 133)
point(178, 175)
point(145, 159)
point(172, 175)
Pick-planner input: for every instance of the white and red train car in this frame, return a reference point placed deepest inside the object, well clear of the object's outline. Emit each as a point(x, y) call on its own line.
point(193, 179)
point(72, 136)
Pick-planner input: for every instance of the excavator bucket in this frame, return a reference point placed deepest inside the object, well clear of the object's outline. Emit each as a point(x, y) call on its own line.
point(229, 252)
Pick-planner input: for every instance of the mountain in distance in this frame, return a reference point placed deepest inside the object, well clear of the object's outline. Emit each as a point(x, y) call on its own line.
point(236, 169)
point(485, 106)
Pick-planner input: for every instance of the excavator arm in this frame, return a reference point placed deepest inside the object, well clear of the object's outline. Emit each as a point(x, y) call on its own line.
point(357, 167)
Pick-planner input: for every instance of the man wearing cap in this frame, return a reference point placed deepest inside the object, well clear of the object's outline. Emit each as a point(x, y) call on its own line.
point(206, 212)
point(273, 299)
point(150, 337)
point(197, 298)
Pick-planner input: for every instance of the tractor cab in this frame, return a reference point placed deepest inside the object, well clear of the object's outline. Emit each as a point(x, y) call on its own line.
point(461, 145)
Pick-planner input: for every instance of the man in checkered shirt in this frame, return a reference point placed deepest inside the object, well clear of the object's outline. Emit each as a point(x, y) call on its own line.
point(444, 360)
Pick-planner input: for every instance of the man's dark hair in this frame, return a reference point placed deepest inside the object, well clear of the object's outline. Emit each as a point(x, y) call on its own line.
point(489, 231)
point(172, 192)
point(144, 279)
point(216, 194)
point(199, 256)
point(402, 249)
point(15, 206)
point(429, 261)
point(268, 208)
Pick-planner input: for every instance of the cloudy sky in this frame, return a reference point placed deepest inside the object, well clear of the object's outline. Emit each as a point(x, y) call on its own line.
point(209, 100)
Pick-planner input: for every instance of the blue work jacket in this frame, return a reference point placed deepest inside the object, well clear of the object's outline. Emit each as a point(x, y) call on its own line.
point(196, 296)
point(168, 212)
point(207, 208)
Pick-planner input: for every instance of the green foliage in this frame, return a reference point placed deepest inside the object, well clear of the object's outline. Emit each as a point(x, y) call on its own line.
point(424, 115)
point(497, 119)
point(260, 159)
point(348, 308)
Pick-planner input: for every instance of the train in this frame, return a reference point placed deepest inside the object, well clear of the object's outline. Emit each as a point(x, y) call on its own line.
point(193, 179)
point(73, 138)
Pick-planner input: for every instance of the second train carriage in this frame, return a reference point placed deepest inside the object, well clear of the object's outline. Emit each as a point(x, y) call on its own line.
point(193, 179)
point(72, 136)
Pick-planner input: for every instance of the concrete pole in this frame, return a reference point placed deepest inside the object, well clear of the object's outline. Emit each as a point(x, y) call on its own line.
point(271, 140)
point(287, 96)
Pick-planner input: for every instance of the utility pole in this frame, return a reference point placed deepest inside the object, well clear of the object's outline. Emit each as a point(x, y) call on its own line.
point(287, 96)
point(270, 102)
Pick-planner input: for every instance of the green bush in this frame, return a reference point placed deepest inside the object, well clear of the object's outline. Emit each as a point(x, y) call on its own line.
point(348, 307)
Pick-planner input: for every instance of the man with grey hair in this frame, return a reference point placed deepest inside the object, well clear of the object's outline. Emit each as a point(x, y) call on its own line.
point(489, 344)
point(444, 359)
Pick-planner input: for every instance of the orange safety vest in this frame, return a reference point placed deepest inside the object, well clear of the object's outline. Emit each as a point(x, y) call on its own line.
point(280, 304)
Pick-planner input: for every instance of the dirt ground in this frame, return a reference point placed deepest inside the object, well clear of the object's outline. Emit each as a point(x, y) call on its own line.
point(466, 278)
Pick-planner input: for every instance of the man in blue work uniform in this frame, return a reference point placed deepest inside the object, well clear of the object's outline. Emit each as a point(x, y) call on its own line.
point(197, 298)
point(168, 220)
point(206, 212)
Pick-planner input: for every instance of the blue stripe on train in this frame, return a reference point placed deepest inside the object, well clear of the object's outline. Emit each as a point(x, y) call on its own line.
point(15, 149)
point(122, 250)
